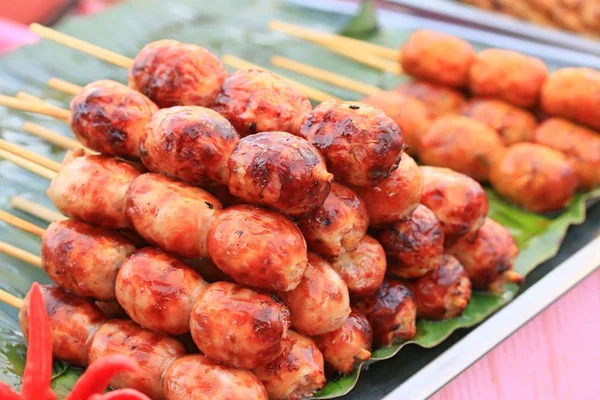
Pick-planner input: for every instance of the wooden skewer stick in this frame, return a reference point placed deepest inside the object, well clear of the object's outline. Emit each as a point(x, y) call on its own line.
point(29, 155)
point(126, 62)
point(21, 224)
point(330, 38)
point(20, 254)
point(37, 210)
point(29, 97)
point(51, 136)
point(28, 165)
point(312, 93)
point(35, 107)
point(371, 61)
point(64, 86)
point(11, 300)
point(85, 47)
point(324, 76)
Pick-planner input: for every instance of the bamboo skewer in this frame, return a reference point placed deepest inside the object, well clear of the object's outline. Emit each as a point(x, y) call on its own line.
point(126, 62)
point(35, 107)
point(37, 210)
point(372, 61)
point(51, 136)
point(29, 97)
point(333, 39)
point(28, 165)
point(64, 86)
point(21, 224)
point(20, 254)
point(11, 300)
point(324, 76)
point(29, 155)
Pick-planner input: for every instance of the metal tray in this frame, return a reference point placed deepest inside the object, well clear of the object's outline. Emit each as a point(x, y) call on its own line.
point(417, 373)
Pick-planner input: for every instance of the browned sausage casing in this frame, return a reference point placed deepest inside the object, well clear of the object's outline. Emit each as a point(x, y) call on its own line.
point(579, 144)
point(437, 57)
point(152, 351)
point(363, 268)
point(279, 170)
point(73, 323)
point(171, 215)
point(459, 203)
point(84, 259)
point(321, 302)
point(512, 123)
point(411, 115)
point(349, 345)
point(158, 290)
point(488, 255)
point(338, 224)
point(572, 93)
point(177, 74)
point(362, 145)
point(395, 198)
point(189, 143)
point(508, 75)
point(111, 309)
point(535, 177)
point(93, 189)
point(239, 327)
point(198, 378)
point(443, 293)
point(297, 373)
point(462, 144)
point(258, 101)
point(438, 99)
point(415, 246)
point(110, 118)
point(258, 248)
point(392, 312)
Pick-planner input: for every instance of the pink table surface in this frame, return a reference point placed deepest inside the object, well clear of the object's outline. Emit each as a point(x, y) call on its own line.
point(555, 356)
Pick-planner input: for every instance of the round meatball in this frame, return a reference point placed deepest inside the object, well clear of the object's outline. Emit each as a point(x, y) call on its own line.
point(109, 117)
point(239, 327)
point(338, 224)
point(258, 248)
point(415, 246)
point(189, 143)
point(349, 345)
point(580, 145)
point(507, 75)
point(437, 57)
point(93, 189)
point(535, 177)
point(462, 144)
point(84, 259)
point(443, 293)
point(395, 198)
point(177, 74)
point(572, 93)
point(488, 256)
point(411, 115)
point(438, 99)
point(362, 145)
point(459, 203)
point(171, 215)
point(297, 373)
point(152, 351)
point(198, 378)
point(73, 323)
point(513, 124)
point(363, 268)
point(158, 290)
point(392, 312)
point(321, 302)
point(279, 170)
point(258, 101)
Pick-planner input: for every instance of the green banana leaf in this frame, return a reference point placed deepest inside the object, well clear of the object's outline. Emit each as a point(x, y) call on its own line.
point(225, 27)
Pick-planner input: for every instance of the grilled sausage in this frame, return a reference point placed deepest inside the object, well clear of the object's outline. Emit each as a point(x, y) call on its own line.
point(438, 99)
